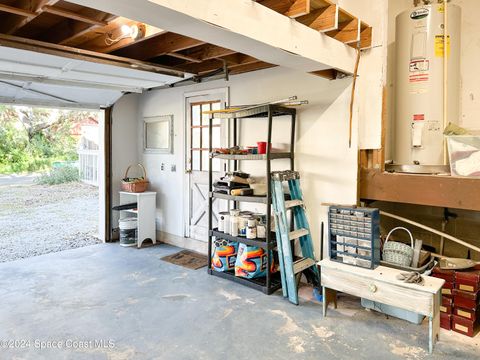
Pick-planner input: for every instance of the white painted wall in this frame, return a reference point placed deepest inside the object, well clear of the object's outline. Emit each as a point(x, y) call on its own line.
point(124, 143)
point(470, 53)
point(328, 167)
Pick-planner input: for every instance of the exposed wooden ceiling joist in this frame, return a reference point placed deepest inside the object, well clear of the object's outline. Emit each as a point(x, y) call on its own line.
point(73, 16)
point(69, 29)
point(14, 22)
point(259, 65)
point(207, 52)
point(290, 8)
point(231, 61)
point(17, 11)
point(158, 46)
point(323, 19)
point(113, 30)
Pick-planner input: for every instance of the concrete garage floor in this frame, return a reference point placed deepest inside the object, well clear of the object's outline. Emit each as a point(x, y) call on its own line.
point(144, 308)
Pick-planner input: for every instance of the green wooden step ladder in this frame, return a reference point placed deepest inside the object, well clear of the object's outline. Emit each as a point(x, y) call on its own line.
point(291, 268)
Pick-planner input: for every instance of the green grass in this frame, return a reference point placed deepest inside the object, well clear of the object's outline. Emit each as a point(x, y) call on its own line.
point(60, 175)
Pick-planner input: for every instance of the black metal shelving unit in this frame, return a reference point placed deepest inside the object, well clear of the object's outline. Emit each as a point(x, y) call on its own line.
point(271, 282)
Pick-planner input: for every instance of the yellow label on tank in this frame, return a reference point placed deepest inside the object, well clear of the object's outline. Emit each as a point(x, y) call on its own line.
point(439, 45)
point(441, 8)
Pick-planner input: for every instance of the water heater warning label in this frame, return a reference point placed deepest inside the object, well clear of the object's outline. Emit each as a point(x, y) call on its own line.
point(439, 45)
point(419, 76)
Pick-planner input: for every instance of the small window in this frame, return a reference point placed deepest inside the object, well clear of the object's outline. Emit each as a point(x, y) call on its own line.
point(158, 134)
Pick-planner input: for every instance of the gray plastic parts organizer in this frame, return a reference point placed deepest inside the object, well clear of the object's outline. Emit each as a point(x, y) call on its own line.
point(354, 236)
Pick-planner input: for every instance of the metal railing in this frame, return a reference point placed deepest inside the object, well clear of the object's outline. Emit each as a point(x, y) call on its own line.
point(88, 166)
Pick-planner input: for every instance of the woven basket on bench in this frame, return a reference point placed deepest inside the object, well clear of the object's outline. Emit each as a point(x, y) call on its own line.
point(136, 186)
point(396, 252)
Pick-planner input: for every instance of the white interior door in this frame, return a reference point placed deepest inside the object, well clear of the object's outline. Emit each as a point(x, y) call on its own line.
point(197, 161)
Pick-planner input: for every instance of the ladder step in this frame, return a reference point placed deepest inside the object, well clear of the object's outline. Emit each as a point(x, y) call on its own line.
point(292, 203)
point(302, 264)
point(297, 234)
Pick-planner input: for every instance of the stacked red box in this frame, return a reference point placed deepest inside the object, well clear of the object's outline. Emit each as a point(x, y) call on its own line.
point(447, 305)
point(466, 302)
point(446, 308)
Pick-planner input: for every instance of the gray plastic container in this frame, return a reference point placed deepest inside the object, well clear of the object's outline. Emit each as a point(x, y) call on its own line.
point(393, 311)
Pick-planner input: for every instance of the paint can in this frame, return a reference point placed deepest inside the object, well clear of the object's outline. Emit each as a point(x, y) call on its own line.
point(243, 224)
point(234, 225)
point(261, 231)
point(224, 221)
point(128, 231)
point(252, 229)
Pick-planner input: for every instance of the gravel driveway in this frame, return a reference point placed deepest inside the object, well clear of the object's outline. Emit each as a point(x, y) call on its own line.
point(39, 219)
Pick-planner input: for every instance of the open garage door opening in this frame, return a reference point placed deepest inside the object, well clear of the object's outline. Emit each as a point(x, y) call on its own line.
point(51, 178)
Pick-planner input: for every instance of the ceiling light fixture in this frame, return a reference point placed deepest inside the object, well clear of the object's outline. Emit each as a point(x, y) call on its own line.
point(134, 32)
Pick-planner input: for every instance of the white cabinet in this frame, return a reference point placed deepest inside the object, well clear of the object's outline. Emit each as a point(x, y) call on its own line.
point(145, 213)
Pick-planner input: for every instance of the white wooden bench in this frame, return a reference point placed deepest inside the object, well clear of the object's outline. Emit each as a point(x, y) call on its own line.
point(382, 285)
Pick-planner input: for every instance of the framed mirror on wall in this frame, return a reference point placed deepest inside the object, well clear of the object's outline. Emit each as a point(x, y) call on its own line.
point(158, 134)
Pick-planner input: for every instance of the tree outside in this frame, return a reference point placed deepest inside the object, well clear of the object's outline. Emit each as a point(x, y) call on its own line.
point(32, 139)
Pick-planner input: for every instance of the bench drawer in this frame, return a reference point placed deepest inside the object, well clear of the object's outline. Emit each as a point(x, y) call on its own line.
point(375, 290)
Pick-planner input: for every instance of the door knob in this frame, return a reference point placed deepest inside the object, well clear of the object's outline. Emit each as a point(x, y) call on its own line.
point(372, 288)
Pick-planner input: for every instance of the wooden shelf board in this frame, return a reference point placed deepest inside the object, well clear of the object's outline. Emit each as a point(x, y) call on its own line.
point(430, 190)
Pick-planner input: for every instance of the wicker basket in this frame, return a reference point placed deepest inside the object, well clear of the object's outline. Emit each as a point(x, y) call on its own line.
point(137, 186)
point(397, 252)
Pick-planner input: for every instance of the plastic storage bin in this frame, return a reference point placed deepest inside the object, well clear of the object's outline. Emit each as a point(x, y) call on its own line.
point(464, 155)
point(393, 311)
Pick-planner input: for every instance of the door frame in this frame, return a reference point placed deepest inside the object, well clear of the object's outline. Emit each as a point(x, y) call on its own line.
point(224, 92)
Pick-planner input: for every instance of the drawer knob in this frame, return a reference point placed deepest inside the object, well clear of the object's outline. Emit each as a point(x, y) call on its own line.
point(372, 288)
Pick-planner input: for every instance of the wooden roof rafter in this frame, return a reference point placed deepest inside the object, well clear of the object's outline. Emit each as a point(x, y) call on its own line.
point(96, 41)
point(31, 9)
point(84, 28)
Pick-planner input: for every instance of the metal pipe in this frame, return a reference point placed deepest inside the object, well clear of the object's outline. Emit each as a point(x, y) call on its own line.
point(446, 236)
point(445, 78)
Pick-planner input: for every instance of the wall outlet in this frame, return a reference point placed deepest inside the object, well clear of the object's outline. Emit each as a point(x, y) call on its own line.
point(173, 168)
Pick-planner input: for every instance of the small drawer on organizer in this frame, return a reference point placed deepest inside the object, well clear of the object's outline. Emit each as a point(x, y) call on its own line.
point(364, 243)
point(365, 253)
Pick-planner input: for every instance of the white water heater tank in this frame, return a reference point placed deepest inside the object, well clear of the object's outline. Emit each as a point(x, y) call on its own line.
point(419, 123)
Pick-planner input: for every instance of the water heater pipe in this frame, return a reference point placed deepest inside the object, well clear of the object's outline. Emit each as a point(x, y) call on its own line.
point(445, 78)
point(432, 230)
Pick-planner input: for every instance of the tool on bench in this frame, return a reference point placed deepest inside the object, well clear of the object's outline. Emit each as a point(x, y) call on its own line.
point(290, 268)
